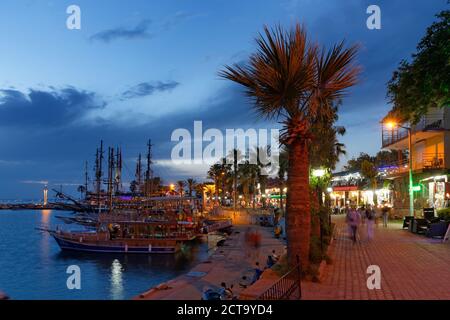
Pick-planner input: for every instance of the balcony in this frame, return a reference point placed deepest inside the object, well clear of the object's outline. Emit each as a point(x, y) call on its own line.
point(421, 162)
point(392, 136)
point(428, 126)
point(431, 161)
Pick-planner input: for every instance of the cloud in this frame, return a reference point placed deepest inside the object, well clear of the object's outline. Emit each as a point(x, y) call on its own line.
point(44, 182)
point(14, 162)
point(177, 18)
point(140, 31)
point(54, 108)
point(148, 88)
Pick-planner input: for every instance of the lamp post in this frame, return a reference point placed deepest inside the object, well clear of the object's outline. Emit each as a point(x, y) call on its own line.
point(392, 125)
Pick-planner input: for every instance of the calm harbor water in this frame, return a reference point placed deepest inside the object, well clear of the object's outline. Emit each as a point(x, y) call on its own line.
point(32, 266)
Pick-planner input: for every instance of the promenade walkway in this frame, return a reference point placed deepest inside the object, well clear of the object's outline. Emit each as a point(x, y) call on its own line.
point(412, 266)
point(227, 264)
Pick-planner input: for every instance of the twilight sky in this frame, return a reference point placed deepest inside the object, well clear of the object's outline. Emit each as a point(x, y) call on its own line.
point(139, 69)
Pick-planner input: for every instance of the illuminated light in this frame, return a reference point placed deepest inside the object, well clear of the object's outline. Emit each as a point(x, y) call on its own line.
point(329, 190)
point(172, 186)
point(318, 172)
point(415, 188)
point(391, 124)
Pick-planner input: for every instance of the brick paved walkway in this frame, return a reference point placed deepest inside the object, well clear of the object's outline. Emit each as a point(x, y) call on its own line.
point(412, 266)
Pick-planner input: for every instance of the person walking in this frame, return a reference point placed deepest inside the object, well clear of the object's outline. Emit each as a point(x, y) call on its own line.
point(385, 214)
point(370, 217)
point(353, 220)
point(362, 213)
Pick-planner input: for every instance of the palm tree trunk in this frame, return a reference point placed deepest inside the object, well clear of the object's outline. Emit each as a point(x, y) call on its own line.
point(298, 215)
point(281, 196)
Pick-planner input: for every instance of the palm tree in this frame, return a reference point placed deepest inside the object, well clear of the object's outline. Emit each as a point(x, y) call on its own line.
point(282, 170)
point(263, 166)
point(215, 174)
point(295, 80)
point(191, 183)
point(181, 184)
point(235, 156)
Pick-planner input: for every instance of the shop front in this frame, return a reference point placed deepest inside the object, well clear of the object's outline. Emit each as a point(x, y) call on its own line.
point(436, 191)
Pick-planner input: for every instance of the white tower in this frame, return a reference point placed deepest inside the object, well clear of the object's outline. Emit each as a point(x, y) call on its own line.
point(45, 195)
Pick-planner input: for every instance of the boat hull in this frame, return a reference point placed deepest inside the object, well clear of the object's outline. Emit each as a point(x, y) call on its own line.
point(119, 247)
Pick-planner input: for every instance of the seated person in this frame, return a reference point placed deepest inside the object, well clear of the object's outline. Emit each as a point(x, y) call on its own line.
point(275, 257)
point(257, 273)
point(270, 262)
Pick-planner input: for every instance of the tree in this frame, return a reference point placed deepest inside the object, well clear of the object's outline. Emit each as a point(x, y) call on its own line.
point(291, 79)
point(423, 83)
point(180, 186)
point(370, 173)
point(325, 149)
point(354, 164)
point(247, 177)
point(191, 183)
point(261, 155)
point(282, 170)
point(215, 173)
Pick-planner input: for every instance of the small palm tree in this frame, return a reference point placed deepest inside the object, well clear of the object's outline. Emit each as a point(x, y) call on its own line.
point(290, 78)
point(191, 183)
point(180, 185)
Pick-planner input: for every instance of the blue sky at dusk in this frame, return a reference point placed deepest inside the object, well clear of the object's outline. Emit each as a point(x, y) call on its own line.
point(140, 69)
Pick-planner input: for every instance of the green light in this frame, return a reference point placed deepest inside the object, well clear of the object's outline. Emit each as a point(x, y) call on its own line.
point(415, 188)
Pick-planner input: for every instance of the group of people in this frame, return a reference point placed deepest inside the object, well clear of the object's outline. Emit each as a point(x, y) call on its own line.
point(365, 215)
point(225, 292)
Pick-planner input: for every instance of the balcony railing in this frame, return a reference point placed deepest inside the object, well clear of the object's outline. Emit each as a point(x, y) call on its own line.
point(432, 161)
point(434, 122)
point(429, 123)
point(391, 136)
point(424, 161)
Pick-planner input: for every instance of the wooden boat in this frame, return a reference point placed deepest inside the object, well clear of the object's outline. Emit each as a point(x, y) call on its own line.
point(127, 237)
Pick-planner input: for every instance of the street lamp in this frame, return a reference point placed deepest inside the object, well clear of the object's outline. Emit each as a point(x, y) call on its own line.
point(318, 172)
point(391, 125)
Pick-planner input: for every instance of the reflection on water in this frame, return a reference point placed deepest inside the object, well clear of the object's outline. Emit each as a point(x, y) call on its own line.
point(45, 214)
point(33, 267)
point(116, 280)
point(45, 241)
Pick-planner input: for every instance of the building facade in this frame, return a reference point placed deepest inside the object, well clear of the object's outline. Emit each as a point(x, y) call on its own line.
point(430, 154)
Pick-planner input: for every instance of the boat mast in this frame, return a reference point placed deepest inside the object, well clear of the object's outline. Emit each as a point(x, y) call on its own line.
point(99, 173)
point(149, 173)
point(110, 175)
point(139, 173)
point(86, 179)
point(118, 174)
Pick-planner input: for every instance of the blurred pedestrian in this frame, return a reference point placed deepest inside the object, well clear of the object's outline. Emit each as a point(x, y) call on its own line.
point(370, 216)
point(385, 214)
point(353, 220)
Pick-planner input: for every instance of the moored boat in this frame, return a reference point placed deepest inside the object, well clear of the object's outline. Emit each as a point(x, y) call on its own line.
point(126, 237)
